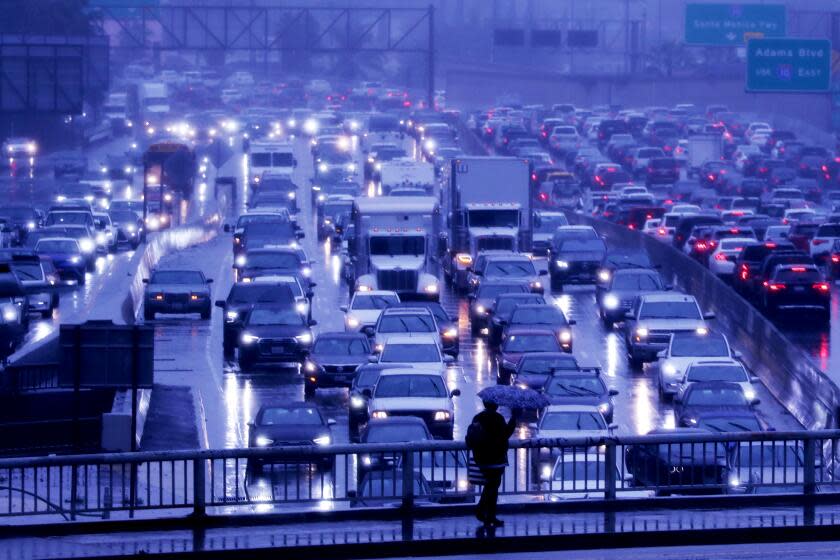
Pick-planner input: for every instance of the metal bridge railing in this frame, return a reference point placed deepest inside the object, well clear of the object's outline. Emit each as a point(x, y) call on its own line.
point(404, 475)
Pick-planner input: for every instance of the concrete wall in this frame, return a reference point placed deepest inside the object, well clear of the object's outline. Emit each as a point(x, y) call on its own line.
point(474, 88)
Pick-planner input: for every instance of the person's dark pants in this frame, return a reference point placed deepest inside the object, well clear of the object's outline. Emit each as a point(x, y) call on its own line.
point(490, 493)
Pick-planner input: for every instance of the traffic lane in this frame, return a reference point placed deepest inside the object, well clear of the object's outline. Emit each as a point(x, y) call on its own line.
point(819, 341)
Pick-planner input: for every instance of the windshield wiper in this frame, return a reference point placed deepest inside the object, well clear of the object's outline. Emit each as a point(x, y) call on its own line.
point(589, 391)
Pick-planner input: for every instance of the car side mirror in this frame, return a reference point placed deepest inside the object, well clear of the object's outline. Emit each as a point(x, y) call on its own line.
point(343, 308)
point(668, 287)
point(755, 402)
point(572, 322)
point(313, 284)
point(300, 234)
point(709, 315)
point(373, 358)
point(330, 421)
point(312, 322)
point(543, 272)
point(613, 426)
point(294, 163)
point(737, 354)
point(448, 360)
point(613, 392)
point(250, 424)
point(209, 280)
point(662, 354)
point(629, 315)
point(368, 330)
point(456, 392)
point(227, 228)
point(310, 294)
point(220, 303)
point(367, 392)
point(145, 280)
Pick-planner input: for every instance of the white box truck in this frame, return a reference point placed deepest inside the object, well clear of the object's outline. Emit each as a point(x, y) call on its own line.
point(153, 99)
point(270, 157)
point(407, 173)
point(487, 204)
point(395, 245)
point(707, 146)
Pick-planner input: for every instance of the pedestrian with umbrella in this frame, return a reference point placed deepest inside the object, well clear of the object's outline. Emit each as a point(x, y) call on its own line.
point(487, 438)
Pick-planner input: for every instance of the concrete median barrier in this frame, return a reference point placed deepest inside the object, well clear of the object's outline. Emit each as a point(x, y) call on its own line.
point(788, 372)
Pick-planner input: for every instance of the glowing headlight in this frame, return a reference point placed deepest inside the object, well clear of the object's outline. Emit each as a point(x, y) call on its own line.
point(463, 484)
point(480, 309)
point(749, 393)
point(536, 285)
point(702, 330)
point(363, 288)
point(545, 472)
point(351, 167)
point(263, 441)
point(522, 385)
point(103, 169)
point(241, 260)
point(431, 289)
point(379, 414)
point(323, 167)
point(10, 313)
point(306, 271)
point(86, 245)
point(604, 408)
point(291, 123)
point(734, 481)
point(249, 338)
point(323, 440)
point(60, 198)
point(167, 197)
point(354, 125)
point(450, 333)
point(669, 369)
point(301, 307)
point(565, 337)
point(321, 198)
point(366, 461)
point(611, 301)
point(30, 225)
point(352, 322)
point(101, 238)
point(379, 347)
point(31, 148)
point(75, 259)
point(304, 338)
point(232, 316)
point(442, 415)
point(561, 264)
point(604, 275)
point(692, 421)
point(378, 166)
point(310, 367)
point(131, 228)
point(291, 195)
point(641, 332)
point(310, 126)
point(357, 402)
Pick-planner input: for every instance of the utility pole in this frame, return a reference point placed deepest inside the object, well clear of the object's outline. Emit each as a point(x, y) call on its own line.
point(430, 94)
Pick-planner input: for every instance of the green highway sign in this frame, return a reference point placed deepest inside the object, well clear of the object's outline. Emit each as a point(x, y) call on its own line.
point(732, 24)
point(791, 65)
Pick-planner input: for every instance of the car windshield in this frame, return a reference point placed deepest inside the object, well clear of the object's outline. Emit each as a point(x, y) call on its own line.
point(543, 315)
point(177, 277)
point(703, 346)
point(490, 291)
point(123, 216)
point(251, 293)
point(367, 377)
point(371, 302)
point(285, 317)
point(272, 260)
point(832, 230)
point(582, 246)
point(563, 386)
point(798, 275)
point(396, 433)
point(340, 346)
point(57, 246)
point(68, 218)
point(731, 424)
point(249, 219)
point(719, 372)
point(516, 269)
point(573, 421)
point(535, 365)
point(636, 282)
point(26, 271)
point(398, 245)
point(392, 386)
point(548, 223)
point(715, 396)
point(406, 324)
point(531, 343)
point(388, 485)
point(670, 310)
point(299, 415)
point(505, 305)
point(410, 353)
point(447, 459)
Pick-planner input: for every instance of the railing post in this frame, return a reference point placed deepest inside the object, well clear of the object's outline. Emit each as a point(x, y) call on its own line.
point(610, 467)
point(809, 483)
point(199, 497)
point(408, 480)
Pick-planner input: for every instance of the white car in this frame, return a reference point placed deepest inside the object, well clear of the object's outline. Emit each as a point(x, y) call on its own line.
point(669, 222)
point(731, 217)
point(742, 155)
point(404, 322)
point(651, 226)
point(793, 215)
point(641, 158)
point(302, 298)
point(564, 138)
point(582, 475)
point(722, 259)
point(685, 349)
point(422, 352)
point(824, 239)
point(776, 233)
point(755, 127)
point(415, 392)
point(719, 369)
point(572, 420)
point(106, 235)
point(365, 307)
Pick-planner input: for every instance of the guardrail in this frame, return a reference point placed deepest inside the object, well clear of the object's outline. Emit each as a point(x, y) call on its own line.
point(405, 475)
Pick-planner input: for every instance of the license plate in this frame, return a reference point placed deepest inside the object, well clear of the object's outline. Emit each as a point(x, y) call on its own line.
point(341, 378)
point(278, 349)
point(799, 289)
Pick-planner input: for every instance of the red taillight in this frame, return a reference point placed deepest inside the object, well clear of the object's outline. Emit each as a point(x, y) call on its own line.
point(544, 134)
point(533, 176)
point(774, 287)
point(543, 196)
point(406, 103)
point(711, 177)
point(770, 245)
point(821, 287)
point(798, 269)
point(835, 258)
point(720, 257)
point(700, 246)
point(819, 241)
point(662, 231)
point(631, 226)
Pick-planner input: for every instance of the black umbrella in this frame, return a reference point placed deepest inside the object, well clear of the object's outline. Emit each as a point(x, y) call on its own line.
point(513, 397)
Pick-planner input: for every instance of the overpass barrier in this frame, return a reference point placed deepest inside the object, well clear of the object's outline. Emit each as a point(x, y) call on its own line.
point(788, 372)
point(403, 476)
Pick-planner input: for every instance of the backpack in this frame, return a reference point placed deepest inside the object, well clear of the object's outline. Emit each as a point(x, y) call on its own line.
point(476, 438)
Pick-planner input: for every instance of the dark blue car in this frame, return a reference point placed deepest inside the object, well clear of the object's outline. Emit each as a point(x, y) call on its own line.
point(66, 256)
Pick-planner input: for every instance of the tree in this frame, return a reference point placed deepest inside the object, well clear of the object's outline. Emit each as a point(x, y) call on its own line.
point(49, 17)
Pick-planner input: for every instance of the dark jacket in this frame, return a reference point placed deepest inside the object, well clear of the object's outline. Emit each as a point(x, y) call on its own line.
point(496, 432)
